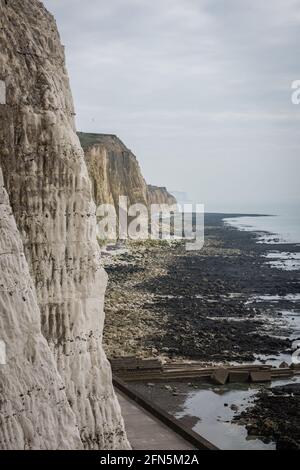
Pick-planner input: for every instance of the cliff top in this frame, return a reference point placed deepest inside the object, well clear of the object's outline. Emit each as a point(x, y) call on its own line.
point(89, 139)
point(152, 187)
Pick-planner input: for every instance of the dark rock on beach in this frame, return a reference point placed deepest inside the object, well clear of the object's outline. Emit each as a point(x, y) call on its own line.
point(163, 300)
point(275, 417)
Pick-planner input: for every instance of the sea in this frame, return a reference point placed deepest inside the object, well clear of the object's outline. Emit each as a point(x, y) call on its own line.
point(274, 229)
point(212, 404)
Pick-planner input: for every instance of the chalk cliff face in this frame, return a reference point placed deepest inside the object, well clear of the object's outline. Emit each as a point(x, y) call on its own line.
point(158, 195)
point(115, 171)
point(34, 411)
point(50, 194)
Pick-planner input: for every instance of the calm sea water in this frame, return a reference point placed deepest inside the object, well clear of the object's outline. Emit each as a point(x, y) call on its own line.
point(281, 228)
point(274, 230)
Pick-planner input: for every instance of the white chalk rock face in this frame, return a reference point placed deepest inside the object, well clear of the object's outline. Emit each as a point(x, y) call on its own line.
point(50, 193)
point(34, 411)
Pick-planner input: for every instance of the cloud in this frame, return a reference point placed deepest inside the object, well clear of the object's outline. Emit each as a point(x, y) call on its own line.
point(187, 83)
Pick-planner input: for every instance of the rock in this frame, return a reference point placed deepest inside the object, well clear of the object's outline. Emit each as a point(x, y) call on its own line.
point(270, 425)
point(234, 407)
point(220, 376)
point(287, 443)
point(292, 388)
point(50, 194)
point(252, 429)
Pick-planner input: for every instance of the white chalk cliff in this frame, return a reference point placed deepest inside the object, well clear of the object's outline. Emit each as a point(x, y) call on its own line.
point(115, 171)
point(34, 411)
point(46, 178)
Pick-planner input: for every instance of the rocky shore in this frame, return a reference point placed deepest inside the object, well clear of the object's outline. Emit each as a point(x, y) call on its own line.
point(275, 417)
point(222, 304)
point(165, 301)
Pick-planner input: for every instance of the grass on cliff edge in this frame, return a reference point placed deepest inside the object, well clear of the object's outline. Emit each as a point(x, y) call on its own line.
point(88, 139)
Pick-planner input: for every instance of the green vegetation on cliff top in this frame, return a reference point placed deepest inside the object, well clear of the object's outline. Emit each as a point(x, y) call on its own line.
point(88, 139)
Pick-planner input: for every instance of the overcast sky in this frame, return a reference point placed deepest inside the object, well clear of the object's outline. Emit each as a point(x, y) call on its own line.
point(199, 90)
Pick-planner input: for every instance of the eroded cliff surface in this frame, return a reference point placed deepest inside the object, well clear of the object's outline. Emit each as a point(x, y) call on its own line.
point(160, 195)
point(115, 171)
point(50, 193)
point(34, 411)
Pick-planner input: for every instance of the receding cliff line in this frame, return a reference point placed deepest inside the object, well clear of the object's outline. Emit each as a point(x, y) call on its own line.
point(115, 171)
point(50, 194)
point(160, 195)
